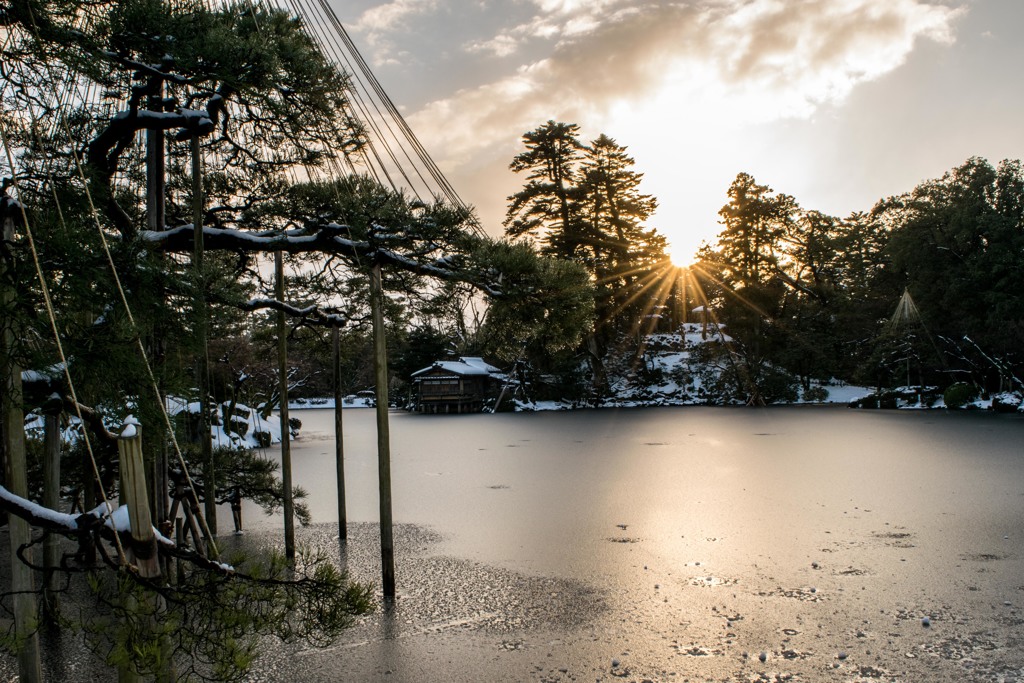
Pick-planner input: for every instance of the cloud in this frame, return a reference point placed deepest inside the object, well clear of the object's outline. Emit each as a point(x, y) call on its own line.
point(378, 23)
point(730, 60)
point(386, 17)
point(799, 55)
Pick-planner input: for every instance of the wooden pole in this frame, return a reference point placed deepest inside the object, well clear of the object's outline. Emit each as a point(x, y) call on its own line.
point(133, 477)
point(156, 211)
point(51, 499)
point(339, 443)
point(210, 471)
point(286, 448)
point(685, 274)
point(87, 547)
point(16, 471)
point(142, 550)
point(380, 367)
point(155, 164)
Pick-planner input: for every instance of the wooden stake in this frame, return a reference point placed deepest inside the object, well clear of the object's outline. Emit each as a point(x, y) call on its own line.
point(22, 585)
point(380, 367)
point(339, 445)
point(286, 449)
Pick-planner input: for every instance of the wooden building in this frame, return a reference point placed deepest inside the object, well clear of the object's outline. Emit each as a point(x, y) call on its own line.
point(456, 386)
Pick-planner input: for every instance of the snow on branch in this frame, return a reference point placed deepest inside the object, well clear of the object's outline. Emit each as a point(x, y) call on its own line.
point(309, 315)
point(98, 519)
point(327, 239)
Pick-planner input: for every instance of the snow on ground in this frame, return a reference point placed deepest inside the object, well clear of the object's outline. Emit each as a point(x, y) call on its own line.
point(247, 428)
point(843, 393)
point(350, 401)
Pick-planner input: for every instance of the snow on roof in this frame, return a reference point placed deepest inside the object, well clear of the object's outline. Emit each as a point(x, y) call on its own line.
point(467, 365)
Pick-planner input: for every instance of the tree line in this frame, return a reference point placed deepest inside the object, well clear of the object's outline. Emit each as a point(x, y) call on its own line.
point(818, 297)
point(803, 296)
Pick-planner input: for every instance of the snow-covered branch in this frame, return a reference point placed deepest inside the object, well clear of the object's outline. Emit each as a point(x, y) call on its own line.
point(116, 521)
point(329, 239)
point(311, 315)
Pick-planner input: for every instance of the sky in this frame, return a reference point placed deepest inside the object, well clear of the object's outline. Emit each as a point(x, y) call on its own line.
point(838, 103)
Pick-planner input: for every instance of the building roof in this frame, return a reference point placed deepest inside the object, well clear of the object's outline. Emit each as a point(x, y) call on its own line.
point(467, 365)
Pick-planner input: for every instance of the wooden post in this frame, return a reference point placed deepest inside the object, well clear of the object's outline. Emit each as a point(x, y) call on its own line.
point(210, 470)
point(133, 476)
point(380, 367)
point(339, 445)
point(156, 210)
point(142, 549)
point(286, 449)
point(179, 538)
point(236, 509)
point(87, 546)
point(155, 164)
point(51, 499)
point(22, 585)
point(684, 274)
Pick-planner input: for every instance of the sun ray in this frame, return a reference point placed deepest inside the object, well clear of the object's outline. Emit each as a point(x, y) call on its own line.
point(730, 291)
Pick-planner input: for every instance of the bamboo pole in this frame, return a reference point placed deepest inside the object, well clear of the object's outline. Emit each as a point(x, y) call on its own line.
point(16, 471)
point(339, 444)
point(286, 448)
point(380, 367)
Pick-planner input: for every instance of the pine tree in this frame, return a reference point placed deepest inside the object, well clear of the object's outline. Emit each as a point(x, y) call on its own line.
point(548, 208)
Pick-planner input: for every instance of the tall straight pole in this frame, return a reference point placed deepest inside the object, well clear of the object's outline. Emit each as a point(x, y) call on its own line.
point(155, 163)
point(156, 211)
point(380, 367)
point(205, 440)
point(339, 442)
point(51, 499)
point(685, 274)
point(22, 584)
point(286, 446)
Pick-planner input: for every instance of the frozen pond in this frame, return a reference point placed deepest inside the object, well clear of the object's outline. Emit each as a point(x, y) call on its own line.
point(676, 544)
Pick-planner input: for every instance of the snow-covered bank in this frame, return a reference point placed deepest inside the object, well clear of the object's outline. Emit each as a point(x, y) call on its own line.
point(350, 401)
point(246, 428)
point(836, 394)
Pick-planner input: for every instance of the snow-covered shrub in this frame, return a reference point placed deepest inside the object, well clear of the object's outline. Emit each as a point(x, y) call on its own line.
point(816, 394)
point(959, 394)
point(239, 425)
point(778, 386)
point(1008, 402)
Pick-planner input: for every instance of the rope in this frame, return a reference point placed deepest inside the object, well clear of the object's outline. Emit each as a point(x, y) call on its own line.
point(94, 213)
point(56, 335)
